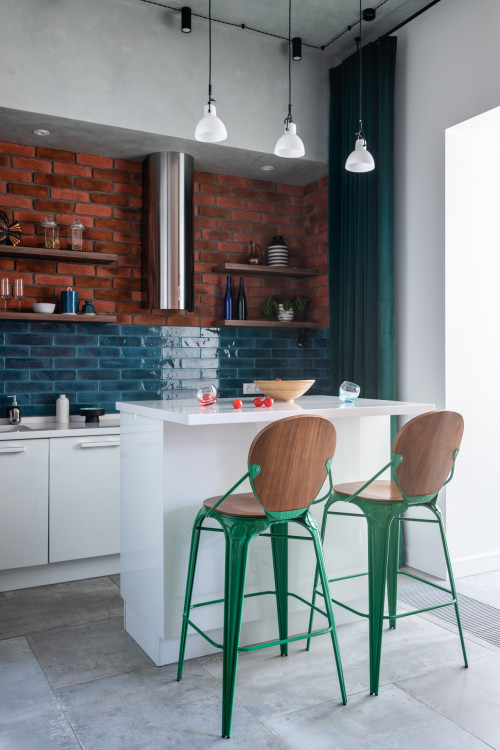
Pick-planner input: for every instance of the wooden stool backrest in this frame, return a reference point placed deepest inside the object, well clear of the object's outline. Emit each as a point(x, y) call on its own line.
point(427, 444)
point(292, 454)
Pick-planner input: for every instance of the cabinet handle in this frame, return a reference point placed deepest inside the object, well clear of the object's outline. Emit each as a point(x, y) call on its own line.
point(103, 444)
point(13, 449)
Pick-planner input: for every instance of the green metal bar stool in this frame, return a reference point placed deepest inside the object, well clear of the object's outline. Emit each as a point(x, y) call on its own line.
point(423, 460)
point(288, 463)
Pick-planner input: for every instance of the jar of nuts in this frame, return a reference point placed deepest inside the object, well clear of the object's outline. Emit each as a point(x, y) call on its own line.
point(49, 235)
point(77, 235)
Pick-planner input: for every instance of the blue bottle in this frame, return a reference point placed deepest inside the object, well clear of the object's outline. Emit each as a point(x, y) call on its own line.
point(228, 301)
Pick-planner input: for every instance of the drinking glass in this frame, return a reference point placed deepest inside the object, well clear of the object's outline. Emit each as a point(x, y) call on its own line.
point(207, 394)
point(349, 391)
point(4, 291)
point(18, 291)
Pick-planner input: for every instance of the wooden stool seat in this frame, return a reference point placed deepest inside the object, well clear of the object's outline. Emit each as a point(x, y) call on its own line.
point(242, 505)
point(381, 491)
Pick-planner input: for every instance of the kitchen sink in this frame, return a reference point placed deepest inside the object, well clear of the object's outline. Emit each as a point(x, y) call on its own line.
point(14, 428)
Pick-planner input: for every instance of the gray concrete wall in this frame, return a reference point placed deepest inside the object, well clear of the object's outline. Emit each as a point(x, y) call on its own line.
point(127, 64)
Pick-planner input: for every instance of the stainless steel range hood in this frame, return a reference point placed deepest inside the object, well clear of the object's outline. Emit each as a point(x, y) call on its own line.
point(168, 230)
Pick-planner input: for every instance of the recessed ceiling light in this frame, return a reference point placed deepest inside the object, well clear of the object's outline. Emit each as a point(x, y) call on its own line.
point(41, 131)
point(267, 168)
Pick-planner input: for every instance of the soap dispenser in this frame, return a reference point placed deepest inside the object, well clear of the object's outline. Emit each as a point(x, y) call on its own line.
point(14, 412)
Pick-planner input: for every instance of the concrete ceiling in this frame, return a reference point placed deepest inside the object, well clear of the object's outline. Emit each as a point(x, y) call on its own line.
point(332, 24)
point(318, 22)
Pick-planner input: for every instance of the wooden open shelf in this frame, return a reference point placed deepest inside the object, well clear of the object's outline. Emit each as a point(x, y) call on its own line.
point(44, 253)
point(247, 269)
point(57, 317)
point(265, 324)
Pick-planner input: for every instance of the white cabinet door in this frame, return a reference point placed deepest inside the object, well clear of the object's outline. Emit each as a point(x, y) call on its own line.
point(24, 470)
point(84, 516)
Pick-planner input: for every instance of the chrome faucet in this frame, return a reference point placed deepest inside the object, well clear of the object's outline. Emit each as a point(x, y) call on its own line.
point(14, 412)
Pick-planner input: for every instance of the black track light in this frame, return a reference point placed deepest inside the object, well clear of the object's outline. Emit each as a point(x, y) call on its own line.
point(296, 48)
point(186, 19)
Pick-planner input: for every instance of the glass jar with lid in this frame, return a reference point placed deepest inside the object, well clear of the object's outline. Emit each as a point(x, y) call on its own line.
point(49, 235)
point(77, 238)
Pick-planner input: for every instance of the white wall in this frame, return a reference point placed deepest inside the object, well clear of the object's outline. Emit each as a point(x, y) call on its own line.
point(127, 64)
point(472, 336)
point(447, 71)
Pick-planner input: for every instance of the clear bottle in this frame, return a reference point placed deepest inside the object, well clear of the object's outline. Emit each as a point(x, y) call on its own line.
point(50, 234)
point(62, 408)
point(77, 238)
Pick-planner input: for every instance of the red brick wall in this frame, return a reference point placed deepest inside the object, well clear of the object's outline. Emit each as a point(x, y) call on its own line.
point(105, 194)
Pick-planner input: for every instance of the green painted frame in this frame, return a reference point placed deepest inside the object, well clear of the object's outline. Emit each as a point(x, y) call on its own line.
point(384, 521)
point(239, 532)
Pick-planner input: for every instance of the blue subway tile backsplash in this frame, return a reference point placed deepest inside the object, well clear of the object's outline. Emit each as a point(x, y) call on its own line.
point(97, 365)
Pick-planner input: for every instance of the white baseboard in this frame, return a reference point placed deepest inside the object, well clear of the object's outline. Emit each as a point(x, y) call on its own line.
point(431, 564)
point(470, 566)
point(73, 570)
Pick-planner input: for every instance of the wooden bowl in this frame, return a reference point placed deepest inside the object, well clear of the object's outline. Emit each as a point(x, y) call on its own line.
point(284, 390)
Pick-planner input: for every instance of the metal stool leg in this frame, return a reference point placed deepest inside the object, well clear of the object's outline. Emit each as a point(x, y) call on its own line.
point(280, 564)
point(310, 524)
point(193, 554)
point(316, 575)
point(238, 538)
point(392, 570)
point(378, 516)
point(439, 517)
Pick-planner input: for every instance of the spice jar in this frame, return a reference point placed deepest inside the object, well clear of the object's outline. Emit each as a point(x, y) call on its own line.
point(76, 232)
point(50, 234)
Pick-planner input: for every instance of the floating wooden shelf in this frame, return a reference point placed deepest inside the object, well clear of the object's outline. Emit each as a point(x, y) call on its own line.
point(265, 324)
point(44, 253)
point(57, 317)
point(246, 269)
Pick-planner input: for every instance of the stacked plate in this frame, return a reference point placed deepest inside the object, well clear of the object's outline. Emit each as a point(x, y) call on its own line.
point(277, 255)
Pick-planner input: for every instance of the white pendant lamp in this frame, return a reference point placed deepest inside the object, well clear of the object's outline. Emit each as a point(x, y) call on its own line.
point(210, 128)
point(360, 160)
point(289, 145)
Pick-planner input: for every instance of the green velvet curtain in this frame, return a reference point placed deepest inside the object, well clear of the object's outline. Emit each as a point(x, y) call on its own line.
point(361, 220)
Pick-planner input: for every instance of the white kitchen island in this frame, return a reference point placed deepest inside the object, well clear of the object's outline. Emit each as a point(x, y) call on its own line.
point(176, 453)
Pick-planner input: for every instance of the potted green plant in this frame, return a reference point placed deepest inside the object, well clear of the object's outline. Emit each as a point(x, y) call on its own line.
point(276, 304)
point(300, 306)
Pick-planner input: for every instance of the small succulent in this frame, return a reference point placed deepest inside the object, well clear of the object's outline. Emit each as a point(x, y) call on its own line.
point(300, 304)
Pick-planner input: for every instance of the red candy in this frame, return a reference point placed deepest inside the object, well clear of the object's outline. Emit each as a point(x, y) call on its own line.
point(258, 401)
point(268, 401)
point(237, 403)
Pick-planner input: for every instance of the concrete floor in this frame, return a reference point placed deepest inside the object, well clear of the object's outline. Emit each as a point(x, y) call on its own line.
point(71, 678)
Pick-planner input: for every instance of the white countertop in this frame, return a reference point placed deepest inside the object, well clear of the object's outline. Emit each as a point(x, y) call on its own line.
point(47, 427)
point(189, 412)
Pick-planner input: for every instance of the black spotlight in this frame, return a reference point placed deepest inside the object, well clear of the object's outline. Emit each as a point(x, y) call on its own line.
point(297, 48)
point(186, 19)
point(302, 338)
point(369, 14)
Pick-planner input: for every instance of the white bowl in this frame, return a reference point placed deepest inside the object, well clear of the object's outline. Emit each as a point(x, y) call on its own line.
point(44, 307)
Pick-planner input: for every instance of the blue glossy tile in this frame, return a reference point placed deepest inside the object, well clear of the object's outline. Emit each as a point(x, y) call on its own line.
point(48, 375)
point(75, 363)
point(28, 339)
point(53, 351)
point(138, 374)
point(14, 375)
point(122, 341)
point(93, 374)
point(13, 363)
point(75, 339)
point(17, 326)
point(14, 351)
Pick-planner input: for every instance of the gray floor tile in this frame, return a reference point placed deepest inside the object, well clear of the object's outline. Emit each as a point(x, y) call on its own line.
point(148, 710)
point(269, 684)
point(484, 587)
point(86, 652)
point(390, 721)
point(468, 697)
point(30, 716)
point(37, 609)
point(115, 578)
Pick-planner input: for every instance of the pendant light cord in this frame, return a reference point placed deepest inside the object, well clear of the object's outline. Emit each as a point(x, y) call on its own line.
point(210, 100)
point(360, 132)
point(289, 118)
